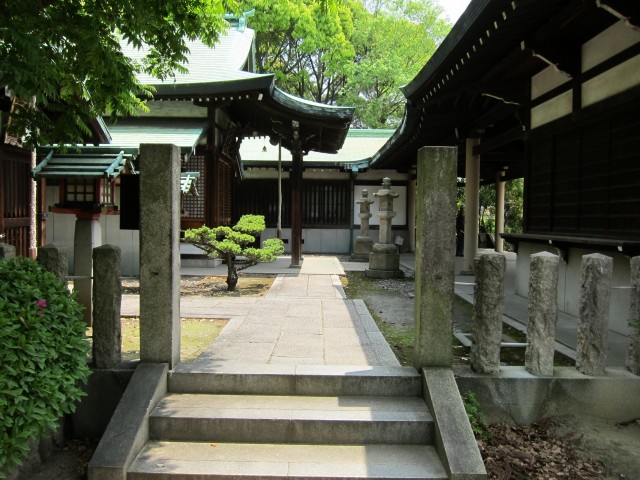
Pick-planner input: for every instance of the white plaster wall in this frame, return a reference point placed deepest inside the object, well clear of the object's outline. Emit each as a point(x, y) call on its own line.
point(316, 240)
point(569, 282)
point(616, 80)
point(608, 43)
point(553, 109)
point(546, 80)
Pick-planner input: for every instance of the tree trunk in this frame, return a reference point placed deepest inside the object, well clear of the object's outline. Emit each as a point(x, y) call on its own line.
point(232, 274)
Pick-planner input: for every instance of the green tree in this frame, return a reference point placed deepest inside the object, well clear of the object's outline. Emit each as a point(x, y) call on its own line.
point(513, 205)
point(393, 40)
point(66, 56)
point(306, 43)
point(349, 52)
point(228, 243)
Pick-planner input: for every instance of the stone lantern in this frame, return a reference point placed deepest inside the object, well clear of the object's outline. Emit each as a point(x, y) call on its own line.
point(364, 243)
point(384, 259)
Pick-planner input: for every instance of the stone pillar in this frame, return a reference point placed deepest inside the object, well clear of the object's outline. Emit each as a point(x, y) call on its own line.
point(593, 326)
point(499, 211)
point(543, 313)
point(160, 254)
point(435, 256)
point(107, 296)
point(411, 209)
point(471, 206)
point(633, 346)
point(7, 251)
point(363, 244)
point(488, 307)
point(87, 236)
point(384, 259)
point(53, 258)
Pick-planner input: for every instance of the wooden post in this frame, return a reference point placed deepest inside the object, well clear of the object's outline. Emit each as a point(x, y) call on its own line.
point(295, 178)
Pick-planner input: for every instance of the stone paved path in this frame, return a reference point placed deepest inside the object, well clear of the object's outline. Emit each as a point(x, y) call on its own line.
point(303, 320)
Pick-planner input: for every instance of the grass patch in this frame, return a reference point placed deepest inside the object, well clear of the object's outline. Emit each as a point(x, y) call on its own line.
point(400, 339)
point(195, 335)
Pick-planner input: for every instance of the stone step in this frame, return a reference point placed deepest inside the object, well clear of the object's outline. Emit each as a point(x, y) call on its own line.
point(181, 460)
point(291, 419)
point(319, 380)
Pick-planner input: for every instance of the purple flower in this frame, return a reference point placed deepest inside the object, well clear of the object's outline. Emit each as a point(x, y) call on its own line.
point(41, 303)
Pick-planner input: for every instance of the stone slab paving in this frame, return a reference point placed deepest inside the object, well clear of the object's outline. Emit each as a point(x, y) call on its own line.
point(304, 319)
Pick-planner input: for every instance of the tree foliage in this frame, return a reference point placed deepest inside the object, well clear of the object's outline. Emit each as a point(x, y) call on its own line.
point(66, 55)
point(393, 41)
point(228, 243)
point(351, 52)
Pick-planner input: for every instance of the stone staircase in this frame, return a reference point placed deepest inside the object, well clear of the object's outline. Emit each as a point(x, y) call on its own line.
point(304, 422)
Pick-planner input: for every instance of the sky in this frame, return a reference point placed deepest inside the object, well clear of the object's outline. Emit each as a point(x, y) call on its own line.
point(454, 8)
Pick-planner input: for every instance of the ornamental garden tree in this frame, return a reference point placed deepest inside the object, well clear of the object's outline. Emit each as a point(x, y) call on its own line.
point(229, 243)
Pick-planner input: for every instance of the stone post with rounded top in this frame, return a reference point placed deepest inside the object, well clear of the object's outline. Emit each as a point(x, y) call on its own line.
point(633, 346)
point(384, 259)
point(107, 296)
point(7, 251)
point(364, 243)
point(54, 258)
point(543, 314)
point(488, 306)
point(593, 325)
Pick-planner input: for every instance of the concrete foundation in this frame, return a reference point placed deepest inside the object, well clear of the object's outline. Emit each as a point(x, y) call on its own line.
point(514, 395)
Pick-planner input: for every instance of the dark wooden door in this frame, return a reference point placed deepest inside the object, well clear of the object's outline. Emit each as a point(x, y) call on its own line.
point(15, 197)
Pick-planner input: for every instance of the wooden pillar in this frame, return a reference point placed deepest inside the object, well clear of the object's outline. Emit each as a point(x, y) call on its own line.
point(214, 142)
point(471, 205)
point(295, 179)
point(411, 209)
point(499, 211)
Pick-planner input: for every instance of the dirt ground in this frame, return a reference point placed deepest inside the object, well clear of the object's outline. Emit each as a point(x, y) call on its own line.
point(572, 447)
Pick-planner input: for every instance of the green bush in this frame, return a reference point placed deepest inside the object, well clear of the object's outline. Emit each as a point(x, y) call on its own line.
point(476, 418)
point(42, 355)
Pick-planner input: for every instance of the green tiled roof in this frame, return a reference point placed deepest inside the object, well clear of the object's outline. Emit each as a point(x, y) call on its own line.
point(183, 132)
point(108, 166)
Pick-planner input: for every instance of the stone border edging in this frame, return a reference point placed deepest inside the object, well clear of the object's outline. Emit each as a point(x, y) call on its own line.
point(128, 430)
point(454, 439)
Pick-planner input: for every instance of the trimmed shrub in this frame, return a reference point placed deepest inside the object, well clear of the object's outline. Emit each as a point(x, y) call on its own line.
point(43, 356)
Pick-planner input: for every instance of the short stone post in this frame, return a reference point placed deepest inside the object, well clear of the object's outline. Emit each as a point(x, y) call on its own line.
point(384, 259)
point(87, 236)
point(7, 251)
point(363, 244)
point(160, 254)
point(54, 258)
point(488, 307)
point(543, 313)
point(435, 256)
point(633, 346)
point(107, 296)
point(593, 325)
